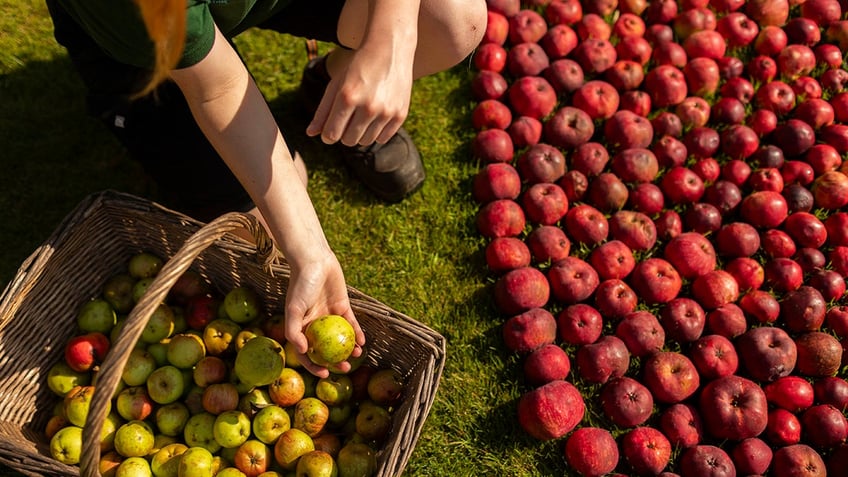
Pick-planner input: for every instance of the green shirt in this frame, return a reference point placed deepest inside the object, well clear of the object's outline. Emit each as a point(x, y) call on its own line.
point(116, 25)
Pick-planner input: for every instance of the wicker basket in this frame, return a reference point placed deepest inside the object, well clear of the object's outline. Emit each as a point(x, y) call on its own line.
point(38, 311)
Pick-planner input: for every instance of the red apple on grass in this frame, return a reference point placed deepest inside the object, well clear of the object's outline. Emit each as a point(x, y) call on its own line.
point(568, 128)
point(727, 320)
point(831, 390)
point(607, 192)
point(715, 288)
point(614, 298)
point(572, 280)
point(548, 243)
point(671, 377)
point(496, 181)
point(541, 163)
point(531, 96)
point(646, 449)
point(655, 280)
point(493, 146)
point(714, 356)
point(819, 354)
point(545, 364)
point(682, 424)
point(520, 290)
point(526, 25)
point(525, 131)
point(491, 114)
point(488, 84)
point(529, 330)
point(792, 392)
point(823, 427)
point(565, 75)
point(628, 130)
point(501, 218)
point(551, 411)
point(683, 319)
point(803, 309)
point(579, 324)
point(586, 224)
point(751, 456)
point(605, 359)
point(691, 254)
point(706, 460)
point(591, 451)
point(641, 332)
point(767, 353)
point(635, 229)
point(507, 253)
point(736, 406)
point(612, 259)
point(490, 57)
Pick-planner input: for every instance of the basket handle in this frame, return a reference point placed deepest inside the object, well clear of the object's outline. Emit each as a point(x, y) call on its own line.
point(112, 367)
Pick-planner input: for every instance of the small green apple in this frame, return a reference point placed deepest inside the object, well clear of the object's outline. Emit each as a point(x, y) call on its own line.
point(96, 315)
point(171, 418)
point(231, 428)
point(66, 445)
point(166, 461)
point(144, 265)
point(292, 356)
point(335, 389)
point(159, 326)
point(199, 432)
point(134, 467)
point(196, 462)
point(61, 378)
point(166, 384)
point(292, 444)
point(159, 351)
point(316, 463)
point(140, 365)
point(339, 415)
point(270, 422)
point(219, 336)
point(118, 292)
point(185, 350)
point(331, 340)
point(77, 403)
point(133, 403)
point(140, 288)
point(373, 422)
point(356, 460)
point(260, 361)
point(242, 304)
point(134, 439)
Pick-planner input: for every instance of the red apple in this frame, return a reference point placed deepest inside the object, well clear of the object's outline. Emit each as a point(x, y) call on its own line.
point(760, 305)
point(529, 330)
point(493, 145)
point(612, 259)
point(767, 353)
point(586, 224)
point(614, 298)
point(591, 451)
point(548, 243)
point(572, 280)
point(501, 218)
point(605, 359)
point(641, 332)
point(792, 393)
point(715, 288)
point(490, 57)
point(532, 96)
point(541, 163)
point(545, 364)
point(579, 324)
point(627, 130)
point(714, 356)
point(507, 253)
point(682, 424)
point(488, 84)
point(751, 456)
point(551, 410)
point(491, 114)
point(736, 406)
point(564, 75)
point(525, 131)
point(526, 25)
point(568, 128)
point(691, 254)
point(520, 290)
point(655, 280)
point(670, 376)
point(727, 320)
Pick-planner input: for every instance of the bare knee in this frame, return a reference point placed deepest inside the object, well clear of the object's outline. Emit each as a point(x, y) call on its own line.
point(451, 28)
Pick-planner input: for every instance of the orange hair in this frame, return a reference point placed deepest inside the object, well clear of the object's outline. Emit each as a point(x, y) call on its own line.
point(165, 21)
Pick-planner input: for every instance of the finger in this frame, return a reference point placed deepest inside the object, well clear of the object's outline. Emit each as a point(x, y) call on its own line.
point(294, 333)
point(389, 131)
point(316, 126)
point(371, 134)
point(313, 368)
point(356, 127)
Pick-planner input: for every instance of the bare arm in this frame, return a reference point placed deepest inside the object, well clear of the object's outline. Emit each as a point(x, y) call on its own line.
point(230, 110)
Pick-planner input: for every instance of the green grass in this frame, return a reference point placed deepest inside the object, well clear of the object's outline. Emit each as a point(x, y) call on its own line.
point(422, 257)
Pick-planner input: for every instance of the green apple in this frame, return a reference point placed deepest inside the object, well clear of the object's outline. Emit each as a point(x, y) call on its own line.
point(331, 340)
point(292, 444)
point(219, 336)
point(180, 323)
point(230, 472)
point(166, 384)
point(356, 460)
point(242, 304)
point(199, 432)
point(196, 462)
point(144, 265)
point(159, 326)
point(354, 361)
point(166, 461)
point(171, 418)
point(335, 389)
point(316, 463)
point(245, 335)
point(231, 428)
point(61, 378)
point(111, 424)
point(66, 445)
point(133, 403)
point(270, 422)
point(310, 416)
point(97, 315)
point(373, 422)
point(140, 288)
point(160, 441)
point(339, 415)
point(140, 365)
point(159, 351)
point(118, 292)
point(260, 361)
point(134, 439)
point(292, 356)
point(77, 403)
point(288, 388)
point(253, 457)
point(134, 467)
point(251, 402)
point(185, 350)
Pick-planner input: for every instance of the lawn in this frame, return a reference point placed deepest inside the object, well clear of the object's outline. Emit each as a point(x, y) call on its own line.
point(422, 257)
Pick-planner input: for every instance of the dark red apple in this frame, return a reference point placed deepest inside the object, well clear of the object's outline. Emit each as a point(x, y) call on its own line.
point(682, 424)
point(647, 198)
point(655, 280)
point(667, 85)
point(706, 460)
point(594, 55)
point(798, 460)
point(572, 280)
point(823, 426)
point(529, 330)
point(568, 128)
point(541, 163)
point(627, 130)
point(488, 84)
point(691, 254)
point(496, 181)
point(681, 185)
point(803, 309)
point(614, 298)
point(525, 131)
point(767, 353)
point(586, 224)
point(671, 377)
point(714, 289)
point(579, 324)
point(526, 59)
point(548, 243)
point(783, 274)
point(545, 364)
point(727, 320)
point(607, 192)
point(612, 259)
point(605, 359)
point(626, 401)
point(714, 356)
point(737, 408)
point(564, 75)
point(641, 332)
point(737, 239)
point(751, 456)
point(819, 354)
point(703, 76)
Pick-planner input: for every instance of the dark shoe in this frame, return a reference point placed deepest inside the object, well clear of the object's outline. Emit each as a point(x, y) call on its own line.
point(392, 171)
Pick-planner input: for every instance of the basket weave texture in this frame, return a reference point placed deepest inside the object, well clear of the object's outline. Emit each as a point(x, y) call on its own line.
point(94, 242)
